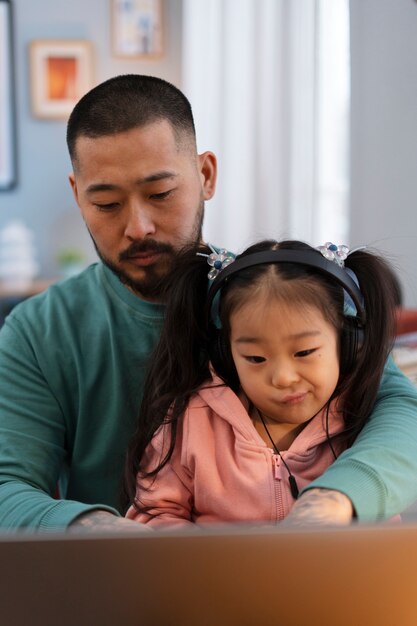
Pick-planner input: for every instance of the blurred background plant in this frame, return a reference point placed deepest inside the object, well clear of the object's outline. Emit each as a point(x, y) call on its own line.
point(71, 261)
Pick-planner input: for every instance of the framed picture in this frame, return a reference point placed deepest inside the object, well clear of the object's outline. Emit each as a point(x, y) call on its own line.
point(137, 29)
point(60, 74)
point(7, 113)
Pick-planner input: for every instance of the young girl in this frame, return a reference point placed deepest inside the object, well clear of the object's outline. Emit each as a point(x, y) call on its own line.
point(259, 383)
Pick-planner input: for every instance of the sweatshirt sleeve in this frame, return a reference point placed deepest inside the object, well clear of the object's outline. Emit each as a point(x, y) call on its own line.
point(378, 473)
point(32, 441)
point(167, 496)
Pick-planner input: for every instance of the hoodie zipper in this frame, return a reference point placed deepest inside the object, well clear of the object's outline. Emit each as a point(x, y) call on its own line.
point(279, 506)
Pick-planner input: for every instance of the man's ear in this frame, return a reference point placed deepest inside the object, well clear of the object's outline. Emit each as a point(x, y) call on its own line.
point(73, 184)
point(207, 164)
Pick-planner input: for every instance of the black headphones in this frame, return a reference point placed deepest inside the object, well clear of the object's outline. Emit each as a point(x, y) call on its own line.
point(352, 333)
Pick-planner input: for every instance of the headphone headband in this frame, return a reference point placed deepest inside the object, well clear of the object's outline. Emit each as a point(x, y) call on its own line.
point(309, 258)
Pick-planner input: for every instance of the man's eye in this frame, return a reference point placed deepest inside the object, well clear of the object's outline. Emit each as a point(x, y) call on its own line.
point(161, 196)
point(303, 353)
point(255, 359)
point(111, 206)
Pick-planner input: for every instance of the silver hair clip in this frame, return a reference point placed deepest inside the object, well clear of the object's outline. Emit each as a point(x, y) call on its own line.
point(331, 252)
point(218, 260)
point(338, 254)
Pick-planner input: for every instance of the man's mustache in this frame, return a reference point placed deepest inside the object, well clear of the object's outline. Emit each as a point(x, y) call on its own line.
point(140, 247)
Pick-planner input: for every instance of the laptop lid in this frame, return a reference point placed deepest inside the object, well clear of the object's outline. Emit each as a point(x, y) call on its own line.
point(241, 576)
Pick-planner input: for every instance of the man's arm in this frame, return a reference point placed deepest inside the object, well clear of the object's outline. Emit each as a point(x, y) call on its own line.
point(105, 522)
point(378, 474)
point(320, 507)
point(32, 441)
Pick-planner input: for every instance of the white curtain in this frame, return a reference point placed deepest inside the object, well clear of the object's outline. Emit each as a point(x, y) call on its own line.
point(269, 84)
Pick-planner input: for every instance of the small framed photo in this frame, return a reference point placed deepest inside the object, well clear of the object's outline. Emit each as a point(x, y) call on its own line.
point(61, 73)
point(7, 103)
point(137, 29)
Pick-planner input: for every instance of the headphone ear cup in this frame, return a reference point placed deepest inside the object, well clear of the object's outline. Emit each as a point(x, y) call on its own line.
point(351, 341)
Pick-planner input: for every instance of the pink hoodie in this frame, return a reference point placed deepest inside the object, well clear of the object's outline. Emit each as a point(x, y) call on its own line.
point(221, 470)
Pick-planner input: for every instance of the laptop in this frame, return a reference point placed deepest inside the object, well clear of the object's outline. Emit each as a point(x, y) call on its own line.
point(225, 576)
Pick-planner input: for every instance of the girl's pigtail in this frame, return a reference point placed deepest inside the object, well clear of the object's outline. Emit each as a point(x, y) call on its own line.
point(378, 285)
point(179, 364)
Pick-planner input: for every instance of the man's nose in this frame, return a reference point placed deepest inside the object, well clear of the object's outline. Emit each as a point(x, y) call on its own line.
point(140, 223)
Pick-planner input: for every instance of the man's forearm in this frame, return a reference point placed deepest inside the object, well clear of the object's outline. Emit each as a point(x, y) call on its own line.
point(316, 507)
point(103, 521)
point(320, 507)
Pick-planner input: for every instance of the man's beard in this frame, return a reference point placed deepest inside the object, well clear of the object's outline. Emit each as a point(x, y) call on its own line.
point(154, 280)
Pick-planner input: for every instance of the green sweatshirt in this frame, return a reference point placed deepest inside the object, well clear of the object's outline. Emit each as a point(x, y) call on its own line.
point(72, 366)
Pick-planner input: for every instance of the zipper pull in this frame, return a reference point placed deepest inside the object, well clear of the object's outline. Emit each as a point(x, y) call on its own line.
point(277, 469)
point(291, 479)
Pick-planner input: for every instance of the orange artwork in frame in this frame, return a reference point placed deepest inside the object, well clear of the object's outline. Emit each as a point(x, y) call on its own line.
point(61, 73)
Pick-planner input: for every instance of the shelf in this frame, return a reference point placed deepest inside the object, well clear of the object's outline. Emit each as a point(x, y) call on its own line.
point(37, 286)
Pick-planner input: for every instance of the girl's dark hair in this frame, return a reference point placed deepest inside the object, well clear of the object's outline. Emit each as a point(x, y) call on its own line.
point(180, 363)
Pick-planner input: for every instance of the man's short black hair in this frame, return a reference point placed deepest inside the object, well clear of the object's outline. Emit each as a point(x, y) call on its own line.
point(129, 101)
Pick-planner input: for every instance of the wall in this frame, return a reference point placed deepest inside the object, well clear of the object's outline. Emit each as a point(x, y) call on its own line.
point(383, 141)
point(384, 132)
point(42, 197)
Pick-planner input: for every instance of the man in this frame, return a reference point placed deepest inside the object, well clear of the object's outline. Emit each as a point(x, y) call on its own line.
point(73, 360)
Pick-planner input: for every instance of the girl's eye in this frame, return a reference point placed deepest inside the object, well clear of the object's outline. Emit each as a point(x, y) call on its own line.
point(303, 353)
point(255, 359)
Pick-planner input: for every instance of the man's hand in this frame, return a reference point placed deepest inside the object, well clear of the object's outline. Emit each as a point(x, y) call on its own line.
point(320, 507)
point(105, 522)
